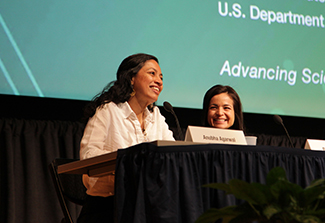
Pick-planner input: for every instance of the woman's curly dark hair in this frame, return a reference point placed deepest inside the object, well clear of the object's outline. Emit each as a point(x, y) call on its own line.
point(119, 91)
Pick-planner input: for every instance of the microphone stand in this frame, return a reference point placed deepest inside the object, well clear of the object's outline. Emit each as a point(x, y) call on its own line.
point(279, 121)
point(168, 107)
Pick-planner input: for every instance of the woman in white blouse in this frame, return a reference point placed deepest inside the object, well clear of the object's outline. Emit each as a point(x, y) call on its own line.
point(121, 116)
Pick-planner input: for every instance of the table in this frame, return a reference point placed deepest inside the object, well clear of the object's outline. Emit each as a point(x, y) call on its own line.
point(164, 183)
point(94, 167)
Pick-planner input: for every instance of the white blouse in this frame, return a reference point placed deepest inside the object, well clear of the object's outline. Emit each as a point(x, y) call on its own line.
point(115, 127)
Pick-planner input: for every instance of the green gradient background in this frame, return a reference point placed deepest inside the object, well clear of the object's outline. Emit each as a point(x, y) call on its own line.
point(73, 48)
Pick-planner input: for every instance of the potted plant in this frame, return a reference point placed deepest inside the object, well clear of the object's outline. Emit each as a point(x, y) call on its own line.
point(278, 201)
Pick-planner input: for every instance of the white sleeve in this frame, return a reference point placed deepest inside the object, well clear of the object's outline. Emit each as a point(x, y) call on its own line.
point(95, 134)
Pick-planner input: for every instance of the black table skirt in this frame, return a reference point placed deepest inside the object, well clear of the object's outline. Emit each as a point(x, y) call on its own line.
point(164, 184)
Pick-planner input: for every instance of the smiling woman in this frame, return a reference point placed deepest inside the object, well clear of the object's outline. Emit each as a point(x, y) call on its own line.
point(222, 108)
point(121, 116)
point(146, 85)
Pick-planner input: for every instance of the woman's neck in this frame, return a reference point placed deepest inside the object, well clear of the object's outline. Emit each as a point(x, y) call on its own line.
point(138, 109)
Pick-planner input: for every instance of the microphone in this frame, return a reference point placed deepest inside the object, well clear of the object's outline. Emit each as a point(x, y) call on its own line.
point(279, 121)
point(168, 107)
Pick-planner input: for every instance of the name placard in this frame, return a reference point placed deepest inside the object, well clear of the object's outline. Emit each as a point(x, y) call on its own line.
point(315, 144)
point(214, 135)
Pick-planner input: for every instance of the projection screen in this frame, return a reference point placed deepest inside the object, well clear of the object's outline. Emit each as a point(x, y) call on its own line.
point(270, 52)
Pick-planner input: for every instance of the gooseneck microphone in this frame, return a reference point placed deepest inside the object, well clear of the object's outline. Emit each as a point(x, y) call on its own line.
point(168, 107)
point(279, 121)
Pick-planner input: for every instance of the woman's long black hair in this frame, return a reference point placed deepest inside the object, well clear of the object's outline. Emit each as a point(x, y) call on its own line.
point(119, 91)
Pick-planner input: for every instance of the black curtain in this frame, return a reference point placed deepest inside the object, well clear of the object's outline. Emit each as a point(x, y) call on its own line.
point(28, 146)
point(281, 141)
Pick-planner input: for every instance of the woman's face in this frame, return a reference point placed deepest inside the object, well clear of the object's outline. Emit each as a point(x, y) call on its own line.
point(221, 113)
point(148, 83)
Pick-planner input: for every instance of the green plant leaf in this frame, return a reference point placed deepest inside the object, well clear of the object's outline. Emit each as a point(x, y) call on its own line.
point(213, 214)
point(311, 194)
point(275, 174)
point(266, 191)
point(307, 219)
point(316, 183)
point(248, 192)
point(247, 218)
point(271, 210)
point(285, 188)
point(240, 214)
point(277, 201)
point(319, 213)
point(220, 186)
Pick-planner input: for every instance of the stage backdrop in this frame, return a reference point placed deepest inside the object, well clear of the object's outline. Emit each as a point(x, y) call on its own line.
point(271, 52)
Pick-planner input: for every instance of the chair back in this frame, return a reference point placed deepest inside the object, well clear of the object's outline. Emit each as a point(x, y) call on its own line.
point(69, 187)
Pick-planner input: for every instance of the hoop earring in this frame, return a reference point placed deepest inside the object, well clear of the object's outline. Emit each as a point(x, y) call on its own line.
point(132, 93)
